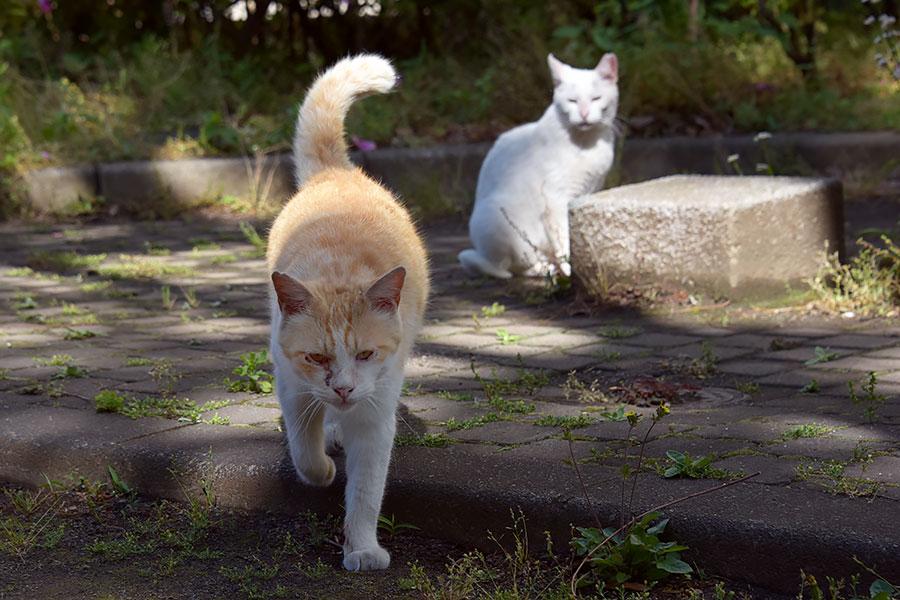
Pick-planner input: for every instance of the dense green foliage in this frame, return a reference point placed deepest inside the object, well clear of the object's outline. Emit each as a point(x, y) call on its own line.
point(88, 80)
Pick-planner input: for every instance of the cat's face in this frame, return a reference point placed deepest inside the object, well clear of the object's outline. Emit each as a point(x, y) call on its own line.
point(586, 98)
point(339, 342)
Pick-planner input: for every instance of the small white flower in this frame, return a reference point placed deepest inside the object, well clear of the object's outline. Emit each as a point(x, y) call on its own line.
point(762, 135)
point(733, 157)
point(886, 21)
point(869, 20)
point(761, 167)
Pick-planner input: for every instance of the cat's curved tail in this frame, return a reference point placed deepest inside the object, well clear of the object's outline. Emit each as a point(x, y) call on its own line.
point(319, 137)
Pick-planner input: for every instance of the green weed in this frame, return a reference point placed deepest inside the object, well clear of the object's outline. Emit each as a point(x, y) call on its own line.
point(640, 556)
point(164, 408)
point(619, 332)
point(806, 431)
point(62, 261)
point(683, 465)
point(505, 337)
point(810, 388)
point(428, 440)
point(453, 425)
point(392, 527)
point(57, 360)
point(78, 334)
point(315, 572)
point(69, 371)
point(251, 377)
point(869, 284)
point(751, 388)
point(871, 402)
point(821, 355)
point(141, 267)
point(251, 235)
point(567, 421)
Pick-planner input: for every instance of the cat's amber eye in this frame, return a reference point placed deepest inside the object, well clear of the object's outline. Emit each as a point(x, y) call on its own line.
point(316, 358)
point(364, 355)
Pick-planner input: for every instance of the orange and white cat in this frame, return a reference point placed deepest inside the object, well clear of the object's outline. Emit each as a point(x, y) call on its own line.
point(349, 286)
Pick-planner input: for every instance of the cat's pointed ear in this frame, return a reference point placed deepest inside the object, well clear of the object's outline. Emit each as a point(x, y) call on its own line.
point(384, 294)
point(608, 67)
point(557, 69)
point(293, 297)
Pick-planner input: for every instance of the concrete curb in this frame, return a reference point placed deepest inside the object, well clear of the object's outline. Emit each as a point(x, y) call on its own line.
point(443, 178)
point(763, 535)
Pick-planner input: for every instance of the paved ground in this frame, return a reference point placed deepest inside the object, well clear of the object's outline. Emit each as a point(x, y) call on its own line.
point(470, 448)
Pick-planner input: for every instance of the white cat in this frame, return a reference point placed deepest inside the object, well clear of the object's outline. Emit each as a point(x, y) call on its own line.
point(520, 223)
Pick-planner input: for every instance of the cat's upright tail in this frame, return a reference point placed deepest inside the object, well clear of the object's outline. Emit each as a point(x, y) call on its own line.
point(319, 138)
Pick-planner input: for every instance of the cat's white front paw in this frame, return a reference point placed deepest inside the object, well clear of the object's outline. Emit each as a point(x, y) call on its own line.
point(367, 559)
point(321, 474)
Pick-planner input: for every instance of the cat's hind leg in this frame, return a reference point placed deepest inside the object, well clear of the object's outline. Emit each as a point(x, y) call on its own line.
point(475, 264)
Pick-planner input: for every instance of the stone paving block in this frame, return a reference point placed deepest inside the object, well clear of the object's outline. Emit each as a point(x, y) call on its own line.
point(698, 350)
point(602, 349)
point(818, 448)
point(882, 468)
point(889, 352)
point(752, 432)
point(756, 341)
point(657, 340)
point(859, 363)
point(803, 353)
point(753, 368)
point(866, 341)
point(503, 432)
point(727, 235)
point(558, 361)
point(560, 339)
point(423, 403)
point(553, 450)
point(798, 378)
point(772, 470)
point(244, 414)
point(696, 447)
point(467, 340)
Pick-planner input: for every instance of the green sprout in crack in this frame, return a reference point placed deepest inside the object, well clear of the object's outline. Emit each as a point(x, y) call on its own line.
point(568, 421)
point(806, 431)
point(871, 402)
point(506, 337)
point(821, 355)
point(251, 377)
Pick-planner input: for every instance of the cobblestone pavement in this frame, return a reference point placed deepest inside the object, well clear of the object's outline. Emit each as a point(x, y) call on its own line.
point(167, 310)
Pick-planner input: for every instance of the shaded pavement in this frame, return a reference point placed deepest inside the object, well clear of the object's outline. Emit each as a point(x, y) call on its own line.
point(496, 377)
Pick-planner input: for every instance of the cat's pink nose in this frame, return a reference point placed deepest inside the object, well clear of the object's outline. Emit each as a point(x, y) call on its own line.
point(343, 392)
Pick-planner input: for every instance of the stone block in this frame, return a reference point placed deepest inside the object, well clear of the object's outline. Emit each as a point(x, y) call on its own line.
point(134, 185)
point(732, 236)
point(56, 190)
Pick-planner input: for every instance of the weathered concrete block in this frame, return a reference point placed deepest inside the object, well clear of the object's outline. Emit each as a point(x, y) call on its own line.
point(57, 189)
point(184, 183)
point(733, 236)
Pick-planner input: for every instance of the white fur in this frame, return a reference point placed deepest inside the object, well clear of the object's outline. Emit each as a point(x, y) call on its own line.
point(520, 222)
